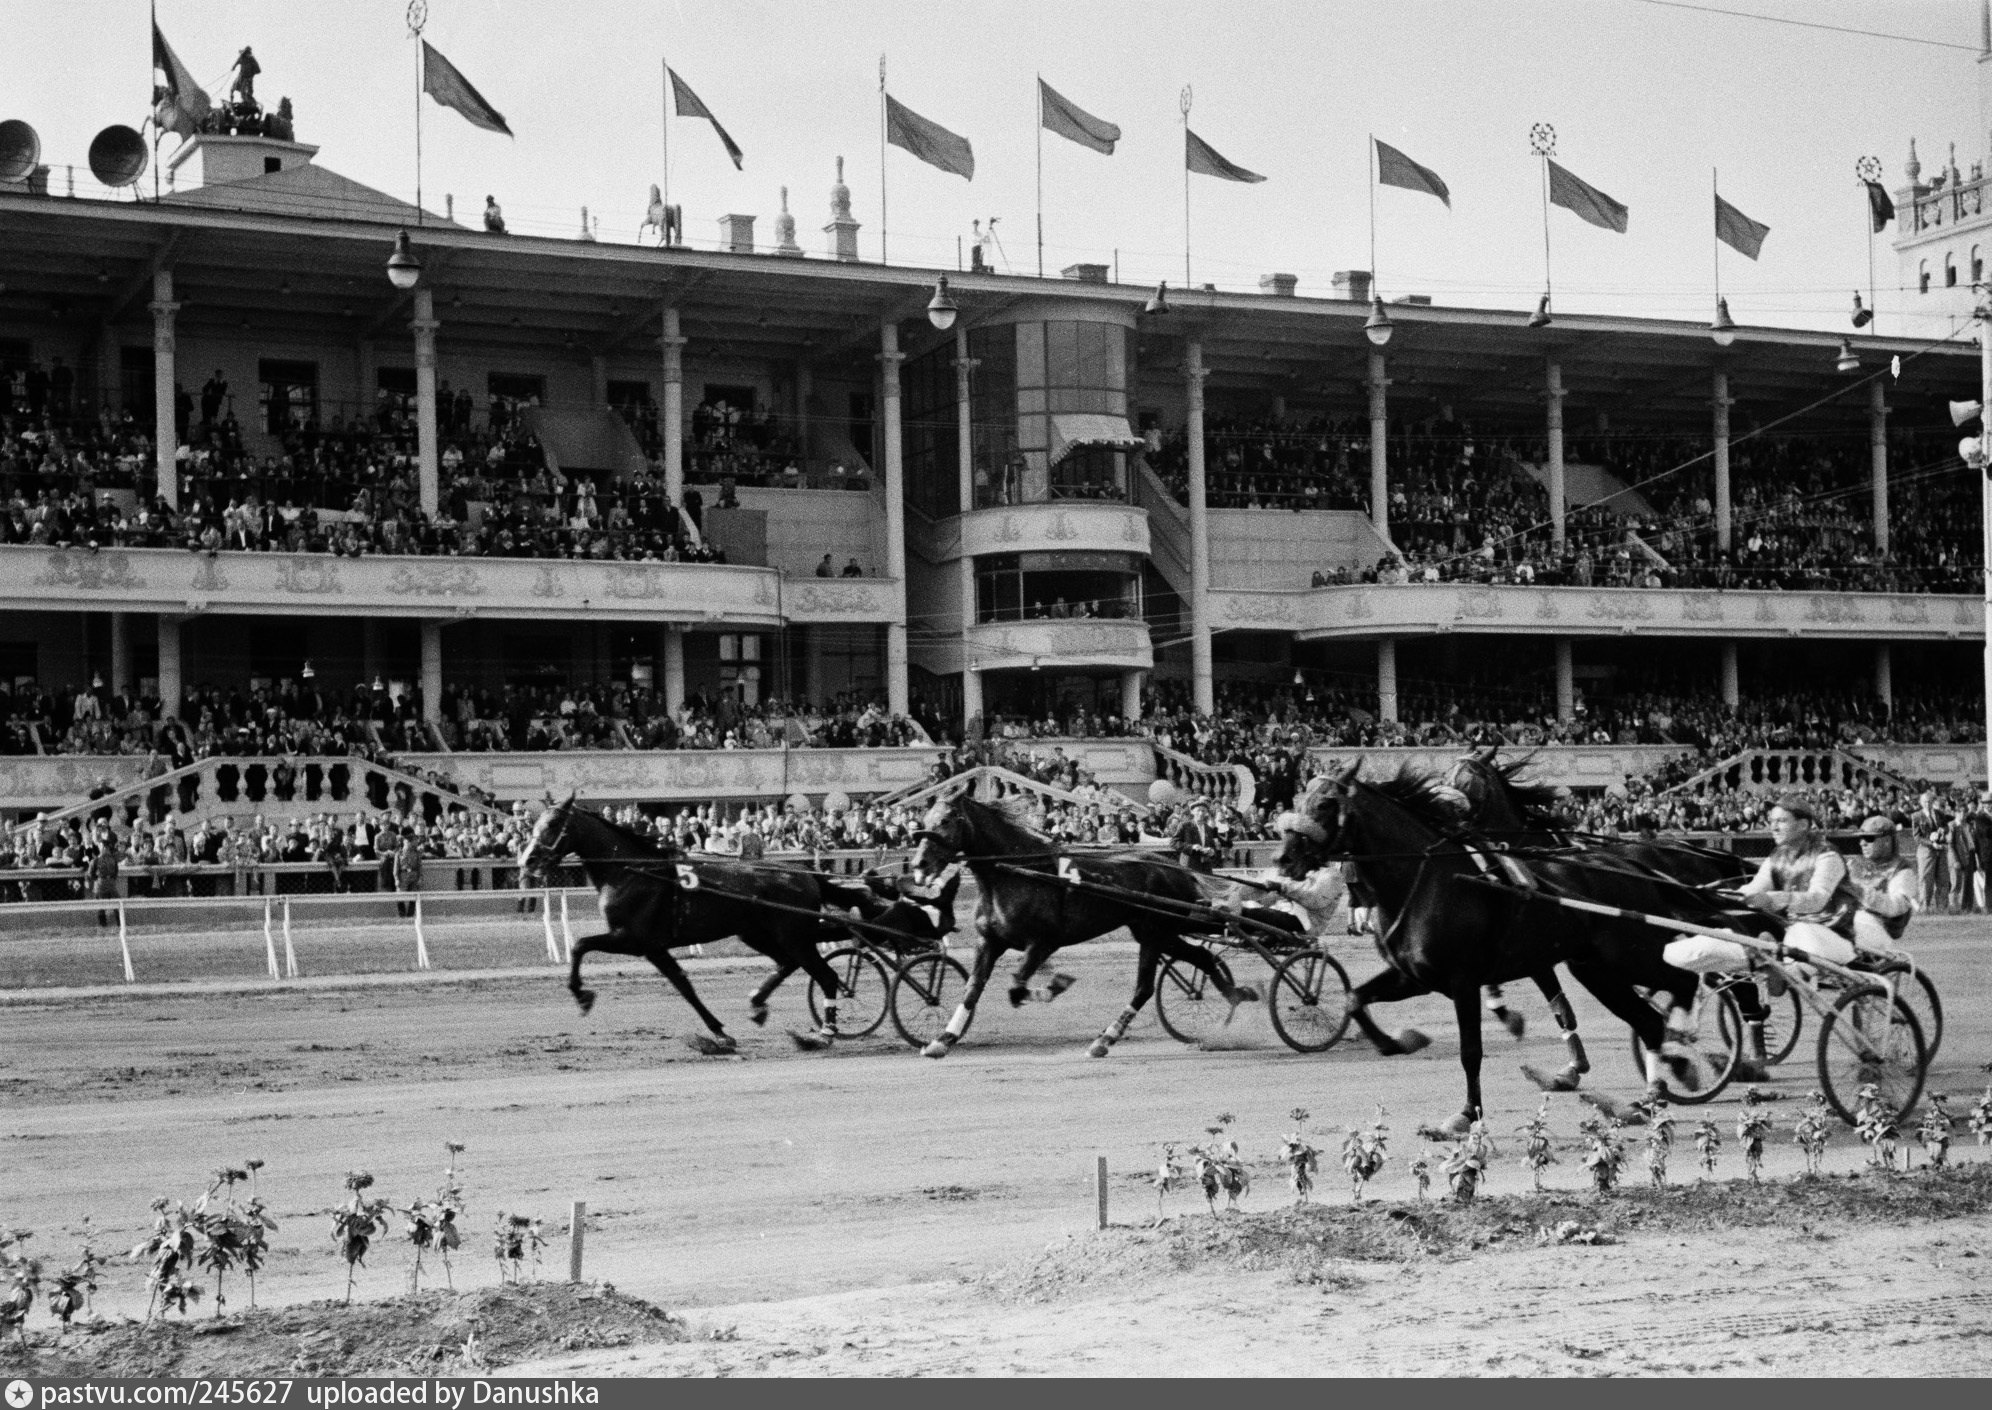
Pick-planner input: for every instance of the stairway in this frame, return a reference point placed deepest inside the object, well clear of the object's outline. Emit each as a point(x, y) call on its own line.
point(1763, 771)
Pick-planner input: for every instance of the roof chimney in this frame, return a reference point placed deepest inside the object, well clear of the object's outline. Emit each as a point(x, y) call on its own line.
point(1086, 273)
point(1280, 286)
point(1353, 284)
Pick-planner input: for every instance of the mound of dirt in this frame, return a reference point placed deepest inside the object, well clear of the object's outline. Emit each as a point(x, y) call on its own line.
point(427, 1334)
point(1306, 1241)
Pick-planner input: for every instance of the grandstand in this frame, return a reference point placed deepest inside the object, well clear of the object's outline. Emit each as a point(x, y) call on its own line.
point(668, 524)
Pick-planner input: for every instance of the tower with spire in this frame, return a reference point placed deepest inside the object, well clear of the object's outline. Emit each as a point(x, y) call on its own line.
point(1943, 221)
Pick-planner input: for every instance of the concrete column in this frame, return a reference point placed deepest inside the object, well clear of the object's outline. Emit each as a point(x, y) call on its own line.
point(1379, 444)
point(432, 671)
point(110, 369)
point(971, 679)
point(426, 454)
point(812, 664)
point(1878, 459)
point(1720, 401)
point(1131, 694)
point(889, 358)
point(165, 431)
point(366, 376)
point(370, 662)
point(1553, 399)
point(599, 366)
point(120, 673)
point(1884, 675)
point(671, 423)
point(1566, 679)
point(1386, 680)
point(169, 667)
point(804, 389)
point(1203, 697)
point(1732, 688)
point(674, 669)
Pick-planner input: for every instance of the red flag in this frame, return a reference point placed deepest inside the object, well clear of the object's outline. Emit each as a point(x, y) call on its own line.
point(441, 81)
point(1205, 160)
point(1737, 230)
point(1586, 201)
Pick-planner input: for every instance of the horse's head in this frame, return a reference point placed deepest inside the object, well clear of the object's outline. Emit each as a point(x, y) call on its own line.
point(944, 835)
point(547, 842)
point(1473, 775)
point(1314, 831)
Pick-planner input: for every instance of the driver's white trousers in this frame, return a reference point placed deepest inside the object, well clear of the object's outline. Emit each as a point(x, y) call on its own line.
point(1704, 954)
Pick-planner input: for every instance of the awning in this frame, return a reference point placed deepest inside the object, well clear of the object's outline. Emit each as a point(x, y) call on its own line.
point(1072, 429)
point(580, 441)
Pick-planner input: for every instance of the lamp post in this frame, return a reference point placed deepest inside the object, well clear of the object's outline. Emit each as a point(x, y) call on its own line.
point(1974, 452)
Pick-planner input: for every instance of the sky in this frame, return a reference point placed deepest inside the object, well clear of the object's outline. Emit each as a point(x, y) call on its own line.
point(1647, 101)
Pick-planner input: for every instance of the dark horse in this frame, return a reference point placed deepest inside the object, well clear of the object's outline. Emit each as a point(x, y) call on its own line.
point(656, 899)
point(1030, 903)
point(1514, 814)
point(1441, 933)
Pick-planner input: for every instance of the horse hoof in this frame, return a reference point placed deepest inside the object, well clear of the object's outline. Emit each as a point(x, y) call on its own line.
point(1018, 995)
point(709, 1045)
point(1515, 1024)
point(1059, 984)
point(585, 998)
point(1101, 1047)
point(1243, 994)
point(1564, 1081)
point(1411, 1040)
point(936, 1049)
point(810, 1042)
point(1456, 1125)
point(1604, 1105)
point(758, 1015)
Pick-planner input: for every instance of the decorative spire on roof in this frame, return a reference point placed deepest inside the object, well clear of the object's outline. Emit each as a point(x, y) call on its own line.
point(1912, 168)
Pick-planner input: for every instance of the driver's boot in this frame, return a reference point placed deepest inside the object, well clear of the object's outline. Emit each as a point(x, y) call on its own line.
point(1755, 1064)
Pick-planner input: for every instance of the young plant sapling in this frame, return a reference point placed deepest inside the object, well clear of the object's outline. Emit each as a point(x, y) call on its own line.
point(230, 1234)
point(169, 1252)
point(1218, 1166)
point(1753, 1124)
point(518, 1240)
point(23, 1279)
point(75, 1284)
point(1708, 1145)
point(1363, 1153)
point(1934, 1131)
point(1879, 1127)
point(1535, 1143)
point(1165, 1179)
point(432, 1223)
point(1606, 1156)
point(1421, 1171)
point(356, 1223)
point(1466, 1166)
point(1659, 1143)
point(1981, 1117)
point(1809, 1132)
point(1303, 1161)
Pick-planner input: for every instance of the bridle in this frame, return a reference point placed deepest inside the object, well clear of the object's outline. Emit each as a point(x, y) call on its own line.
point(549, 849)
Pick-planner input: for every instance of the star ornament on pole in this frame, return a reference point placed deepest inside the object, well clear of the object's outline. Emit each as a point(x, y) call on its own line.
point(1868, 169)
point(1183, 102)
point(418, 17)
point(1542, 140)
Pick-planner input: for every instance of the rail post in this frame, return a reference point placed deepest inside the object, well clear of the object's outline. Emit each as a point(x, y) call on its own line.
point(566, 930)
point(124, 943)
point(546, 923)
point(1100, 1191)
point(290, 955)
point(270, 941)
point(421, 942)
point(577, 1225)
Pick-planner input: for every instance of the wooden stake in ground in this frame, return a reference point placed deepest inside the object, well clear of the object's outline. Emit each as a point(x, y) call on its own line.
point(577, 1224)
point(1100, 1190)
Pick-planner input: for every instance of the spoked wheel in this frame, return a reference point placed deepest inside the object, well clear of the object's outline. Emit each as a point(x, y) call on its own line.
point(1712, 1056)
point(1784, 1021)
point(925, 994)
point(1868, 1038)
point(861, 1009)
point(1921, 996)
point(1191, 1006)
point(1310, 1003)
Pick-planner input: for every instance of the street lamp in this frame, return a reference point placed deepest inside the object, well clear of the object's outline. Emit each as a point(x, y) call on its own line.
point(1848, 360)
point(1378, 329)
point(1540, 318)
point(403, 269)
point(1973, 450)
point(941, 309)
point(1158, 302)
point(1723, 330)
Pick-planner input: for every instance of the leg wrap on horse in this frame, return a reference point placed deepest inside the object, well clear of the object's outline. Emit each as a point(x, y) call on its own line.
point(1114, 1032)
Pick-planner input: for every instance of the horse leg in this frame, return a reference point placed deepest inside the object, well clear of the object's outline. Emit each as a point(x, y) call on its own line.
point(1466, 1005)
point(818, 969)
point(1174, 947)
point(1498, 1006)
point(986, 954)
point(1144, 990)
point(1612, 989)
point(1388, 987)
point(668, 966)
point(757, 1002)
point(608, 943)
point(1020, 982)
point(1573, 1071)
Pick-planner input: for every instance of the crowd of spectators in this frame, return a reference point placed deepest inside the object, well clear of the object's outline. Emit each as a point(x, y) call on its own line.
point(619, 716)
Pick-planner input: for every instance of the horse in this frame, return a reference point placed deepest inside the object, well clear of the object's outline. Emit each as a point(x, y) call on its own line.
point(1513, 813)
point(1035, 899)
point(656, 899)
point(668, 221)
point(1438, 935)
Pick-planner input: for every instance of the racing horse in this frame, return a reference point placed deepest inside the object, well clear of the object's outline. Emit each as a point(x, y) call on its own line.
point(656, 899)
point(1512, 813)
point(1038, 898)
point(1439, 933)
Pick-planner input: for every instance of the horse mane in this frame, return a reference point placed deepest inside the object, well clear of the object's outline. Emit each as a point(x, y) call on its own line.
point(1008, 814)
point(1421, 795)
point(1538, 801)
point(655, 846)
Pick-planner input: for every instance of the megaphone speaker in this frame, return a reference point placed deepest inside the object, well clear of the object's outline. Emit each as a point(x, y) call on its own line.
point(117, 156)
point(1963, 411)
point(20, 150)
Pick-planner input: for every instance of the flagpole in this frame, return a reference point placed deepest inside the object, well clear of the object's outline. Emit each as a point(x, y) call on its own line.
point(1715, 189)
point(1183, 102)
point(1546, 282)
point(664, 127)
point(420, 67)
point(153, 41)
point(881, 161)
point(1040, 174)
point(1375, 283)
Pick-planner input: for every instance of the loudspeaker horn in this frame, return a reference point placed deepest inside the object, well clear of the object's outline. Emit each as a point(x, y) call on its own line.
point(1963, 411)
point(20, 150)
point(117, 156)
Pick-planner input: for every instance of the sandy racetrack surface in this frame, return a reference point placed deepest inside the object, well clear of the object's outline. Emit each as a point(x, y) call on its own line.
point(866, 1210)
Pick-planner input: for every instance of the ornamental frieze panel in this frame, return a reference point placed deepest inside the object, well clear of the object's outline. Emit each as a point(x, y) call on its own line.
point(1833, 609)
point(1614, 607)
point(1909, 611)
point(1258, 609)
point(441, 577)
point(1480, 605)
point(1701, 607)
point(90, 571)
point(310, 576)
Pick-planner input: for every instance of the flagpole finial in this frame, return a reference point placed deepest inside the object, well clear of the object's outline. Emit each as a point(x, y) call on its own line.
point(1183, 102)
point(1542, 140)
point(418, 17)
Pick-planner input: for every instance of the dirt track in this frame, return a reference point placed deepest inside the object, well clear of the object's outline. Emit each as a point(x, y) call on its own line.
point(837, 1178)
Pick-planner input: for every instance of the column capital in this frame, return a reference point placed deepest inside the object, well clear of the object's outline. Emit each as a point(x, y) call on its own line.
point(891, 359)
point(1195, 374)
point(672, 341)
point(967, 364)
point(420, 326)
point(165, 308)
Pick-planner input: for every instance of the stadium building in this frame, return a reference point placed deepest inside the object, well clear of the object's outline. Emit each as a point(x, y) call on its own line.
point(972, 497)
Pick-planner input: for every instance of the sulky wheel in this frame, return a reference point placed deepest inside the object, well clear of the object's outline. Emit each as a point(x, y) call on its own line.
point(925, 994)
point(862, 1008)
point(1868, 1038)
point(1190, 1005)
point(1712, 1055)
point(1310, 1005)
point(1784, 1022)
